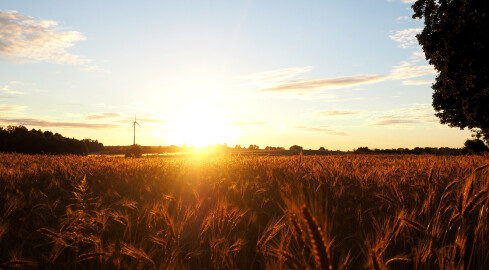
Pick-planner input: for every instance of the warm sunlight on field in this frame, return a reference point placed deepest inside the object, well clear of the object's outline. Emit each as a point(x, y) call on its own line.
point(200, 125)
point(244, 212)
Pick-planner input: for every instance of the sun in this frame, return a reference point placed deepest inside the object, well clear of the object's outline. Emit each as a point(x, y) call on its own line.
point(201, 125)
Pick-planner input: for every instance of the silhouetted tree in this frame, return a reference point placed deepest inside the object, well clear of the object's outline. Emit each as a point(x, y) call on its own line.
point(475, 146)
point(296, 149)
point(272, 148)
point(134, 151)
point(322, 149)
point(93, 145)
point(455, 42)
point(19, 139)
point(253, 147)
point(362, 150)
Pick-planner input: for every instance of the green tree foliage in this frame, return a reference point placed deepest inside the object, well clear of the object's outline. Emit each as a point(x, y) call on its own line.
point(18, 139)
point(455, 42)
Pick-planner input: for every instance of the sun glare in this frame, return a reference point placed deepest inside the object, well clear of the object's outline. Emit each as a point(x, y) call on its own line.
point(200, 126)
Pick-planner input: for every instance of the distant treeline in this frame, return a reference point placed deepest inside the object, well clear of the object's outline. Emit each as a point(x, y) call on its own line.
point(18, 139)
point(471, 147)
point(122, 149)
point(421, 151)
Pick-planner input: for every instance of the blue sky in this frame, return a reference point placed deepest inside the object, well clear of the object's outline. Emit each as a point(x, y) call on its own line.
point(338, 74)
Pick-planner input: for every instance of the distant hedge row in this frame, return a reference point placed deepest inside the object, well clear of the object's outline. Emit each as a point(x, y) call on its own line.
point(18, 139)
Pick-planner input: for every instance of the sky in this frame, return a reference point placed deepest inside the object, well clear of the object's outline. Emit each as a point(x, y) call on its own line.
point(333, 74)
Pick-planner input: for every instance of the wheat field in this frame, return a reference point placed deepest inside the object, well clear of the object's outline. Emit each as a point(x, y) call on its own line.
point(244, 212)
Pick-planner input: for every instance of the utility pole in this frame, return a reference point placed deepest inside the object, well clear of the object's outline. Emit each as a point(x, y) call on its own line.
point(134, 125)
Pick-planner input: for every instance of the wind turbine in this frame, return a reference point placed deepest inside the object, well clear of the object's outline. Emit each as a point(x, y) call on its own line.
point(134, 125)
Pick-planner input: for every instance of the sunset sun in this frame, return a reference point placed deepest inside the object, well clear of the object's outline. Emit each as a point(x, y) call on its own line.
point(201, 125)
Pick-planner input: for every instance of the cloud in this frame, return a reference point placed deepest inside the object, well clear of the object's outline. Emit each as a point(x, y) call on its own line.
point(46, 123)
point(407, 70)
point(418, 82)
point(28, 39)
point(147, 118)
point(322, 129)
point(307, 86)
point(281, 81)
point(328, 113)
point(100, 116)
point(392, 120)
point(278, 74)
point(151, 119)
point(12, 88)
point(11, 108)
point(403, 18)
point(417, 114)
point(407, 37)
point(238, 123)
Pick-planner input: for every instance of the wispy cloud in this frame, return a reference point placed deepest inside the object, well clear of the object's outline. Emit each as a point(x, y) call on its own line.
point(417, 82)
point(28, 39)
point(278, 74)
point(307, 86)
point(408, 69)
point(153, 119)
point(407, 37)
point(12, 88)
point(322, 129)
point(416, 65)
point(146, 118)
point(394, 120)
point(332, 113)
point(417, 114)
point(402, 19)
point(102, 116)
point(59, 124)
point(11, 108)
point(282, 81)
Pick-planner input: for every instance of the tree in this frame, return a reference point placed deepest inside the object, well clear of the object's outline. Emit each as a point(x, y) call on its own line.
point(362, 150)
point(296, 149)
point(253, 147)
point(19, 139)
point(454, 41)
point(475, 146)
point(134, 151)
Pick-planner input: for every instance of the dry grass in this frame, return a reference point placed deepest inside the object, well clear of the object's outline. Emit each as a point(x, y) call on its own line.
point(325, 212)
